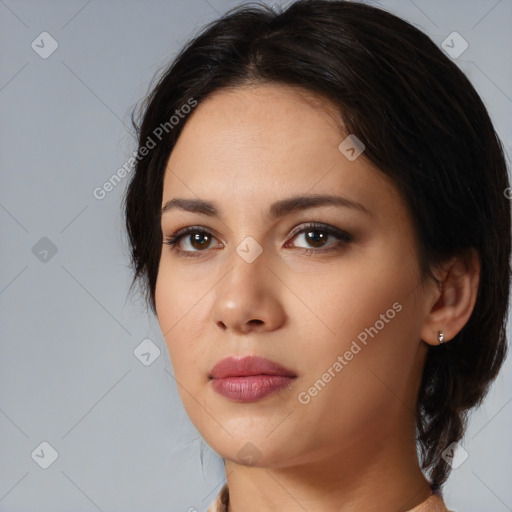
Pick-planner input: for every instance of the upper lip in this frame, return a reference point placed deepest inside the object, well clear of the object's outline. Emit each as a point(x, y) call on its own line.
point(248, 365)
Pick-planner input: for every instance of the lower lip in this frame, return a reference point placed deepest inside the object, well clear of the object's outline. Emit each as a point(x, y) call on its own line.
point(250, 388)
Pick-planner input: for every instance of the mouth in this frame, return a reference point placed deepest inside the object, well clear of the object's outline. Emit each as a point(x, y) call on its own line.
point(250, 378)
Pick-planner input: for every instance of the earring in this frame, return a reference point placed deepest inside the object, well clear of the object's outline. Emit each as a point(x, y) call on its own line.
point(440, 337)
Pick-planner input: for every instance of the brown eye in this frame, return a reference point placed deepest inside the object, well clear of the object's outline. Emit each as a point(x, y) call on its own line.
point(316, 238)
point(200, 240)
point(190, 240)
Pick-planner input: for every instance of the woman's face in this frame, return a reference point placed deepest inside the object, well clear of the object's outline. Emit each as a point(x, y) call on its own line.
point(341, 304)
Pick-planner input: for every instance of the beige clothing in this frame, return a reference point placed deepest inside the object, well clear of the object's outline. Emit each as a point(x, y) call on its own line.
point(433, 504)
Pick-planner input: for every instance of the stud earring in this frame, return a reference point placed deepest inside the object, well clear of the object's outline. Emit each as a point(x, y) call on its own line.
point(440, 337)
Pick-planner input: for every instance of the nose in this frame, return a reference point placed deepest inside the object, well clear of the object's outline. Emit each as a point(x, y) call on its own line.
point(249, 297)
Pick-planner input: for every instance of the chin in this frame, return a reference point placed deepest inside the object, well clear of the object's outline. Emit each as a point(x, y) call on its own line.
point(256, 452)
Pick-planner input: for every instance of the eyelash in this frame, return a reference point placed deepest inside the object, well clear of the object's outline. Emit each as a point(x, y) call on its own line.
point(343, 236)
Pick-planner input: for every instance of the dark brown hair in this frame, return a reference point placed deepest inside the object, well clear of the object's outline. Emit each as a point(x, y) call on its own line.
point(424, 126)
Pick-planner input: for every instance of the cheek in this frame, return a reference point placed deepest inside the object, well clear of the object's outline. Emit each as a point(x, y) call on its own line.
point(374, 383)
point(350, 294)
point(370, 319)
point(175, 307)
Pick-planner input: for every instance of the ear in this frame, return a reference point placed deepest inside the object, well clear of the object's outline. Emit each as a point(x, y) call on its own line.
point(451, 300)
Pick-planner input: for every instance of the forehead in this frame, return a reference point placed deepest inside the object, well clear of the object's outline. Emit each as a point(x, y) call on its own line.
point(266, 142)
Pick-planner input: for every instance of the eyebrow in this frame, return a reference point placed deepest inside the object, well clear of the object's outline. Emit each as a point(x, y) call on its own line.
point(276, 210)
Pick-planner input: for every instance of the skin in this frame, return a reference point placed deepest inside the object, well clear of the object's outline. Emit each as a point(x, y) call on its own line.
point(244, 149)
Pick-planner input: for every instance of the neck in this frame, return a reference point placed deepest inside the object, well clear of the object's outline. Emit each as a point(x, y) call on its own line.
point(370, 477)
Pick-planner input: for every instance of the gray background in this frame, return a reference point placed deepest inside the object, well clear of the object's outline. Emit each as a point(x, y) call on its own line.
point(68, 373)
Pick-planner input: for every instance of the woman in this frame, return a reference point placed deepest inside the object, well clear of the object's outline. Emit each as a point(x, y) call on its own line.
point(318, 217)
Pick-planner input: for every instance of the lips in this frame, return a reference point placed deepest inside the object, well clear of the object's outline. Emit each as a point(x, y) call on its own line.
point(246, 366)
point(250, 378)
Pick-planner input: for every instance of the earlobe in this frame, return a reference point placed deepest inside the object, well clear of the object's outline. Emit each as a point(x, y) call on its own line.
point(452, 303)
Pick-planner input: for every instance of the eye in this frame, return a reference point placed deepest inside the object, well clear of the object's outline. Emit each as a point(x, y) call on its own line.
point(317, 236)
point(197, 240)
point(194, 240)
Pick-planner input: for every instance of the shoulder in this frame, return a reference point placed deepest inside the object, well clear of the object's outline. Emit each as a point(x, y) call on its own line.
point(433, 504)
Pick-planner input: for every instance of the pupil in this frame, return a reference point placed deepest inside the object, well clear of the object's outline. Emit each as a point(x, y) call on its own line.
point(319, 239)
point(196, 238)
